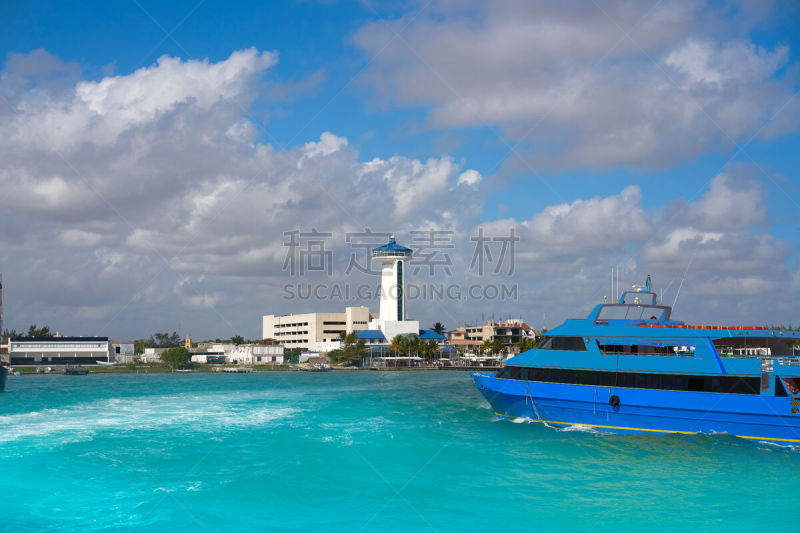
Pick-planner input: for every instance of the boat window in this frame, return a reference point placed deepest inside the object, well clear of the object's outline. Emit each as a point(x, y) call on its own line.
point(779, 388)
point(629, 312)
point(645, 349)
point(574, 344)
point(635, 380)
point(546, 343)
point(504, 373)
point(749, 347)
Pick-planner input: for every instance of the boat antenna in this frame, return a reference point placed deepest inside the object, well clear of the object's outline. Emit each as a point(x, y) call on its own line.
point(683, 278)
point(678, 293)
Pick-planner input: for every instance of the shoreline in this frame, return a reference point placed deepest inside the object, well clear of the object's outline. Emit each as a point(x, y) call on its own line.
point(30, 371)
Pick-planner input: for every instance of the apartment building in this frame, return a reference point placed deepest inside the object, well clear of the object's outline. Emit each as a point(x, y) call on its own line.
point(509, 332)
point(307, 329)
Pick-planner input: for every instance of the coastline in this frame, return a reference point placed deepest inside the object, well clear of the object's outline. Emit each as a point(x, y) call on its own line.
point(31, 371)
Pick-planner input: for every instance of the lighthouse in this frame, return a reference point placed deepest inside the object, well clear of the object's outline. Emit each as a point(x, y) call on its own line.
point(392, 257)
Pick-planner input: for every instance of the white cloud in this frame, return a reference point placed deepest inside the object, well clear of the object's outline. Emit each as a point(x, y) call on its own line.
point(147, 195)
point(470, 177)
point(734, 201)
point(586, 227)
point(618, 83)
point(728, 273)
point(328, 144)
point(169, 214)
point(99, 112)
point(76, 238)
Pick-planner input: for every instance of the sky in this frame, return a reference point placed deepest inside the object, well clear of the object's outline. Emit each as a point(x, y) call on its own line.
point(192, 166)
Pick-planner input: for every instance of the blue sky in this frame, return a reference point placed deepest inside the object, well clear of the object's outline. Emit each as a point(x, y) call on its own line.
point(655, 137)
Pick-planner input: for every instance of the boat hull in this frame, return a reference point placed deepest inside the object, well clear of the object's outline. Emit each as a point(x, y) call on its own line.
point(3, 376)
point(757, 417)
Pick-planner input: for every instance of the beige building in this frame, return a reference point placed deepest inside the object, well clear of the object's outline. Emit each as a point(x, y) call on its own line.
point(307, 329)
point(509, 332)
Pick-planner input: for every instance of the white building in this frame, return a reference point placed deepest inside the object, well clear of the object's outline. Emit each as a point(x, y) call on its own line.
point(152, 355)
point(122, 351)
point(328, 346)
point(58, 350)
point(392, 321)
point(307, 329)
point(257, 354)
point(320, 331)
point(209, 358)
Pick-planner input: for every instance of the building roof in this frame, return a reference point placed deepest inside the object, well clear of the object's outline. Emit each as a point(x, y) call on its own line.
point(429, 334)
point(392, 246)
point(369, 334)
point(59, 339)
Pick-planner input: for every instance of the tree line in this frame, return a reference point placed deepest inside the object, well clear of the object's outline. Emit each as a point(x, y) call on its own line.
point(33, 331)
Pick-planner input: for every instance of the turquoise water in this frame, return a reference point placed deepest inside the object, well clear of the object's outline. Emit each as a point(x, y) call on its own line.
point(361, 451)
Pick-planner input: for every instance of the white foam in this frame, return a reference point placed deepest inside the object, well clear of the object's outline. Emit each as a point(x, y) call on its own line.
point(583, 429)
point(204, 412)
point(343, 433)
point(788, 446)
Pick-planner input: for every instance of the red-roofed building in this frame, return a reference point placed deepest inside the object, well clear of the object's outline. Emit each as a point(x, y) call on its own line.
point(509, 332)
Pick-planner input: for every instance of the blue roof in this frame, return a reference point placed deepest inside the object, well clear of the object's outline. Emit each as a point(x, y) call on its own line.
point(370, 334)
point(392, 246)
point(429, 334)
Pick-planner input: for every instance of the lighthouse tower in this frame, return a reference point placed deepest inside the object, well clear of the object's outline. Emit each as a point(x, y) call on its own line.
point(392, 321)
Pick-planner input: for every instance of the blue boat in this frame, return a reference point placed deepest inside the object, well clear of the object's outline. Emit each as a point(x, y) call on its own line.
point(629, 368)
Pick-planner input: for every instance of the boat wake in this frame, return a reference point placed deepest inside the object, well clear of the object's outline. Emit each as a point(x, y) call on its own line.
point(192, 412)
point(582, 429)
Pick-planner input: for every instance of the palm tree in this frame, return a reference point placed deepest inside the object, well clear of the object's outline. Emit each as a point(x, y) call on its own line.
point(526, 344)
point(487, 347)
point(399, 344)
point(357, 352)
point(349, 339)
point(416, 343)
point(439, 328)
point(430, 349)
point(497, 347)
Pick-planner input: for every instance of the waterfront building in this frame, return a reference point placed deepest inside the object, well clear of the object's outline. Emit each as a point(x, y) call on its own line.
point(328, 345)
point(321, 331)
point(380, 353)
point(508, 332)
point(152, 355)
point(209, 358)
point(122, 351)
point(58, 350)
point(305, 330)
point(257, 354)
point(222, 347)
point(310, 357)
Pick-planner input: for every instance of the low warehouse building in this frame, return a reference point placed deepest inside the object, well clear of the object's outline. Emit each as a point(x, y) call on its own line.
point(58, 350)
